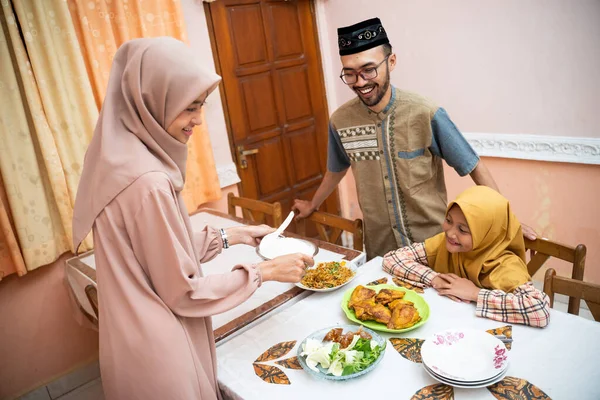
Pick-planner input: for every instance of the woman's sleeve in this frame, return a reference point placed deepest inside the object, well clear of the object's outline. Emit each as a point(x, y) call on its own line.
point(208, 243)
point(162, 245)
point(410, 265)
point(525, 305)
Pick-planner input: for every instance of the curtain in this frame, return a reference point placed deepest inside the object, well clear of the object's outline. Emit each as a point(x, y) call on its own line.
point(101, 27)
point(48, 116)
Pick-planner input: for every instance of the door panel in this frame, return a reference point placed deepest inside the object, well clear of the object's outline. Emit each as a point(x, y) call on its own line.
point(259, 102)
point(274, 96)
point(296, 98)
point(285, 27)
point(271, 158)
point(304, 157)
point(248, 35)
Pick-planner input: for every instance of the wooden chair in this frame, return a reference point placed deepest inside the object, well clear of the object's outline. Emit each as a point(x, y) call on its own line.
point(542, 249)
point(336, 226)
point(92, 295)
point(255, 210)
point(589, 292)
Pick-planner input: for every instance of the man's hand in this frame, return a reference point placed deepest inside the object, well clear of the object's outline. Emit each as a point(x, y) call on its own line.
point(455, 287)
point(303, 208)
point(528, 232)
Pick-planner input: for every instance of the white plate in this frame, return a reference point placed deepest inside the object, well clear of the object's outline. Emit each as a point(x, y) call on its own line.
point(348, 264)
point(464, 355)
point(463, 385)
point(285, 245)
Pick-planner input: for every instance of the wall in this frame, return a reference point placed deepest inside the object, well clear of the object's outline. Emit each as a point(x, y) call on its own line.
point(197, 29)
point(508, 67)
point(40, 339)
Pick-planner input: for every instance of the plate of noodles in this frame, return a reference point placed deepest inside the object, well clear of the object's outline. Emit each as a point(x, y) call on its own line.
point(326, 276)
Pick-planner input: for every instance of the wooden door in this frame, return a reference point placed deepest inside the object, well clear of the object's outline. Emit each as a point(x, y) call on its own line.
point(274, 97)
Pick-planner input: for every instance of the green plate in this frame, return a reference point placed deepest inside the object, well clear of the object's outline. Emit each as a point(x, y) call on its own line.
point(420, 304)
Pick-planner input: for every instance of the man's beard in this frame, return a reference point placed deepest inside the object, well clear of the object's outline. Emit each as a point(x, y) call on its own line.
point(381, 90)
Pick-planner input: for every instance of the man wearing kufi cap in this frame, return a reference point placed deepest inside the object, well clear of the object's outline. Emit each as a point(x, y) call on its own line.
point(395, 142)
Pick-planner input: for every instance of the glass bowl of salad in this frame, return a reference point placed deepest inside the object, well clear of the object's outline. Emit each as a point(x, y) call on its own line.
point(341, 352)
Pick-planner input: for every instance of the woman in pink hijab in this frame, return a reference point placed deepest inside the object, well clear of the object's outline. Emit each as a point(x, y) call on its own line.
point(156, 336)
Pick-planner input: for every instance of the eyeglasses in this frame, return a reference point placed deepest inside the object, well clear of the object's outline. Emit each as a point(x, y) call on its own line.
point(368, 73)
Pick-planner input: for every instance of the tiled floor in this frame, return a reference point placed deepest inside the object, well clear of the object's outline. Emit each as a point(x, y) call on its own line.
point(89, 391)
point(82, 384)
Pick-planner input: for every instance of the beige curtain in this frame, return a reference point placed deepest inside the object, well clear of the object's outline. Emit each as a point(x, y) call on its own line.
point(102, 26)
point(48, 116)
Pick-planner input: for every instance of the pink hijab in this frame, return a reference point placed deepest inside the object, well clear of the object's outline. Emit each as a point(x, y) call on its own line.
point(151, 82)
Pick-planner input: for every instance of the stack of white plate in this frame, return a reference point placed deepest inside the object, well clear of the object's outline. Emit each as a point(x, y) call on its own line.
point(465, 358)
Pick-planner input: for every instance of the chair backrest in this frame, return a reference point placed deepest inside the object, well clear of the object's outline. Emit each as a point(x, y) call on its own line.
point(589, 292)
point(542, 249)
point(255, 210)
point(92, 295)
point(330, 228)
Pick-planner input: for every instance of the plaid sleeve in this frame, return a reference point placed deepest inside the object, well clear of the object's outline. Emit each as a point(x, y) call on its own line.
point(410, 265)
point(525, 305)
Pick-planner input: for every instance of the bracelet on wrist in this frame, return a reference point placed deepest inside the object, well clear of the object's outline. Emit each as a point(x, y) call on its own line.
point(224, 238)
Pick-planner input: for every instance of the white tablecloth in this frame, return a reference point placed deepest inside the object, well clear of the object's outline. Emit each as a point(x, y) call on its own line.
point(224, 262)
point(244, 254)
point(561, 360)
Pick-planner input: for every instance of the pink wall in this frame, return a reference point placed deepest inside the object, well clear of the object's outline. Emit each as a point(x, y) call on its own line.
point(40, 339)
point(497, 67)
point(510, 67)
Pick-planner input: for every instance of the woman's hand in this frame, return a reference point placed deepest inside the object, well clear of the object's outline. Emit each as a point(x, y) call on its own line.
point(250, 235)
point(288, 268)
point(455, 287)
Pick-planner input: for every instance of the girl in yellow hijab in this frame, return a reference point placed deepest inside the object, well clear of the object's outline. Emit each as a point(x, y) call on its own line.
point(480, 257)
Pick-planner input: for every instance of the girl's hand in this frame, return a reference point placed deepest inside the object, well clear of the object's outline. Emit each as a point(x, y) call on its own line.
point(455, 287)
point(288, 268)
point(250, 235)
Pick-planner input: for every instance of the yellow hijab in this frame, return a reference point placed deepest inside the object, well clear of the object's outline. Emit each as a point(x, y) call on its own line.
point(497, 260)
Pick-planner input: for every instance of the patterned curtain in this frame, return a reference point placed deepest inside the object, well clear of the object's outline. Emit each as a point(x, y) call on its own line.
point(48, 115)
point(102, 26)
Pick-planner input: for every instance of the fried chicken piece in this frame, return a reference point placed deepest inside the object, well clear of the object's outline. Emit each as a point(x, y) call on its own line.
point(387, 295)
point(403, 316)
point(334, 335)
point(369, 310)
point(359, 294)
point(395, 303)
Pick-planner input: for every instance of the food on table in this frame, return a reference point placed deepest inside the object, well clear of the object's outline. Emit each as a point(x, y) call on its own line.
point(347, 354)
point(394, 303)
point(359, 294)
point(369, 310)
point(335, 335)
point(387, 307)
point(379, 281)
point(386, 296)
point(403, 316)
point(327, 275)
point(407, 285)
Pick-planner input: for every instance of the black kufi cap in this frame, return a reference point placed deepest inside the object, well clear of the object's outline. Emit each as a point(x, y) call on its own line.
point(362, 36)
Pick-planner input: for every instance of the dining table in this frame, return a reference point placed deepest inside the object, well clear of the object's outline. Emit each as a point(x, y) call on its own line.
point(81, 273)
point(561, 361)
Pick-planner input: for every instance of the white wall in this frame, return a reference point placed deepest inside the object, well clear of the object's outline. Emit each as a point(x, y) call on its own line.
point(507, 66)
point(197, 31)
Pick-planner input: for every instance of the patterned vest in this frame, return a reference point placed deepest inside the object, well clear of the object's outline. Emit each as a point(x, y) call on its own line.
point(400, 183)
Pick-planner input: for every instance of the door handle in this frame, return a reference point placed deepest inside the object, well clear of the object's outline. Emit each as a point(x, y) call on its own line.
point(242, 156)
